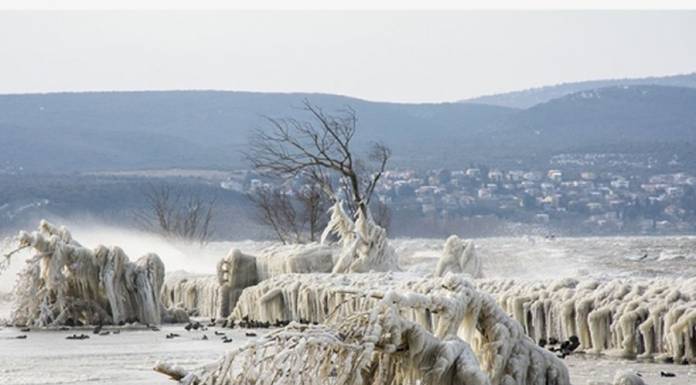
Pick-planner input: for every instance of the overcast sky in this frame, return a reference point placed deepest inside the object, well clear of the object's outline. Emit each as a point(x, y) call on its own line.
point(390, 56)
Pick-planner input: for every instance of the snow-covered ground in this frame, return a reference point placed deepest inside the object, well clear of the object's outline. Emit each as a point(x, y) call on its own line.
point(46, 357)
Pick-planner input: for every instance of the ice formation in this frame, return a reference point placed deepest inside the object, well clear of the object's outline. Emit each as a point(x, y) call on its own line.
point(212, 296)
point(199, 296)
point(364, 244)
point(447, 307)
point(294, 258)
point(631, 318)
point(378, 346)
point(215, 296)
point(459, 256)
point(68, 283)
point(363, 247)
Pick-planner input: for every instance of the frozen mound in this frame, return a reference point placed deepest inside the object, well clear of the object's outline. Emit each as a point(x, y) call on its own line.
point(66, 283)
point(630, 318)
point(459, 256)
point(447, 307)
point(216, 295)
point(364, 244)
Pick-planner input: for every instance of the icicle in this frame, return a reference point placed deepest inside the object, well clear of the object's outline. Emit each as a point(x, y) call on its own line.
point(450, 307)
point(623, 317)
point(212, 296)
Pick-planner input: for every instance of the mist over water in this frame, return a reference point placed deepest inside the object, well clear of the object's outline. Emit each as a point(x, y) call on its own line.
point(176, 255)
point(524, 257)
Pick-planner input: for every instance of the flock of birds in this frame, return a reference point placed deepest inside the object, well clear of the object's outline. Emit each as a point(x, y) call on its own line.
point(191, 326)
point(566, 348)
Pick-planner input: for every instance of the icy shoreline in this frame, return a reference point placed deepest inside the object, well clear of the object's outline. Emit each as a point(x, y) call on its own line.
point(528, 260)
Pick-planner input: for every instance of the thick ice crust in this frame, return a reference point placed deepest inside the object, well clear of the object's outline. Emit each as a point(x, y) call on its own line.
point(212, 296)
point(215, 296)
point(373, 347)
point(294, 258)
point(445, 307)
point(632, 318)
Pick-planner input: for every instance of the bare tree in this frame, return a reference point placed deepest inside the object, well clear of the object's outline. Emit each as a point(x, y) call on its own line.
point(295, 217)
point(276, 211)
point(314, 205)
point(319, 147)
point(174, 213)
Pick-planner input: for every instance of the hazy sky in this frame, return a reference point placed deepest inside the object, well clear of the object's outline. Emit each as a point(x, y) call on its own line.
point(392, 56)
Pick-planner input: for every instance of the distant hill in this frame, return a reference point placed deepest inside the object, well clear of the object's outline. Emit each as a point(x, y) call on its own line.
point(67, 132)
point(533, 96)
point(617, 116)
point(77, 132)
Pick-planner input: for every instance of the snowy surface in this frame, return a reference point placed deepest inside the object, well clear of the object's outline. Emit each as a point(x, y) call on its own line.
point(46, 357)
point(587, 369)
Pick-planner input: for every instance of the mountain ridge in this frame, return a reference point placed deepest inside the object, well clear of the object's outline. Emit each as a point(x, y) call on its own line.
point(114, 130)
point(529, 97)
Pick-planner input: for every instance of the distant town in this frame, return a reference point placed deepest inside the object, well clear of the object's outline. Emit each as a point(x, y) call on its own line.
point(570, 201)
point(574, 194)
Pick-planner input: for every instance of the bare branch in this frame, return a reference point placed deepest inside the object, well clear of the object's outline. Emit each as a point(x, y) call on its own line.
point(174, 214)
point(318, 148)
point(294, 216)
